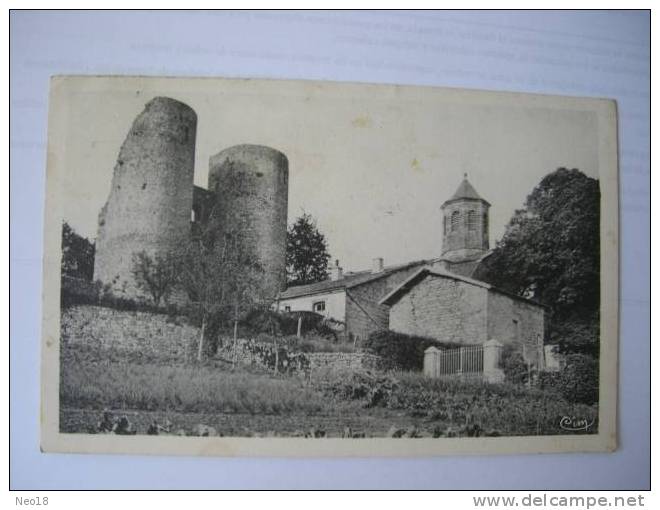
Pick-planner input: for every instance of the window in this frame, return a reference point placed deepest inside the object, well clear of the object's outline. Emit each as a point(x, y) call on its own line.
point(472, 221)
point(455, 217)
point(485, 224)
point(287, 308)
point(319, 306)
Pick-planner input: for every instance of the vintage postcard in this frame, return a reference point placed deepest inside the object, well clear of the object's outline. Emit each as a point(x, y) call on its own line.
point(297, 268)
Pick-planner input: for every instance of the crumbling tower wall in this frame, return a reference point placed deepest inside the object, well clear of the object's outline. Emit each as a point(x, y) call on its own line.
point(150, 202)
point(251, 186)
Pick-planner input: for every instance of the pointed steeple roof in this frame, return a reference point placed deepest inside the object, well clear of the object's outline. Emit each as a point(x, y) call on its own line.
point(464, 191)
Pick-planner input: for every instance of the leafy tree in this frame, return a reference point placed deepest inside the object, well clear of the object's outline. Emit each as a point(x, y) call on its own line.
point(155, 275)
point(306, 252)
point(550, 251)
point(222, 279)
point(77, 254)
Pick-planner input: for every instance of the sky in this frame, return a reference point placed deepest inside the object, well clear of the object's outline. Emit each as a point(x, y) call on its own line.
point(371, 163)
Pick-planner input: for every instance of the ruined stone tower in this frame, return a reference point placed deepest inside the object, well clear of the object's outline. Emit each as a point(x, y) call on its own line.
point(251, 185)
point(465, 229)
point(150, 202)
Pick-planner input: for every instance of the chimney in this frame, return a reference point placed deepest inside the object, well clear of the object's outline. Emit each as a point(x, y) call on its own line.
point(336, 272)
point(377, 265)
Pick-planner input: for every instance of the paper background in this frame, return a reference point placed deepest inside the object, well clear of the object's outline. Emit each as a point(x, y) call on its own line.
point(576, 53)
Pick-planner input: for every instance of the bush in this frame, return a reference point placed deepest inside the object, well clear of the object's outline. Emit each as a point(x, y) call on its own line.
point(76, 291)
point(283, 324)
point(514, 365)
point(577, 382)
point(467, 405)
point(400, 351)
point(311, 343)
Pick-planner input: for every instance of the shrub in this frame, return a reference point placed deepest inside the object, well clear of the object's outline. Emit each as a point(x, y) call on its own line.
point(514, 365)
point(577, 382)
point(277, 323)
point(76, 291)
point(400, 351)
point(374, 389)
point(467, 405)
point(310, 343)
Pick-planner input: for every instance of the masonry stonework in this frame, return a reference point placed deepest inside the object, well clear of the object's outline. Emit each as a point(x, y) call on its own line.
point(443, 308)
point(251, 187)
point(465, 229)
point(364, 315)
point(154, 207)
point(515, 321)
point(148, 335)
point(150, 200)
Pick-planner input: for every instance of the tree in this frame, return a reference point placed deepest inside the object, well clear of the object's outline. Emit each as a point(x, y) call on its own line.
point(550, 251)
point(77, 254)
point(306, 252)
point(222, 279)
point(155, 275)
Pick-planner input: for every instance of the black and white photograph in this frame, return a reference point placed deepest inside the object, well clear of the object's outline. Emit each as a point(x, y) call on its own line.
point(259, 267)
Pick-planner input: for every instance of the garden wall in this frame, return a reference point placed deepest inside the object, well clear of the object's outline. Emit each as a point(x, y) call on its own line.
point(147, 334)
point(266, 355)
point(160, 337)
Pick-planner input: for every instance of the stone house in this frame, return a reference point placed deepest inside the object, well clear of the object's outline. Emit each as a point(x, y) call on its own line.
point(438, 298)
point(456, 309)
point(352, 298)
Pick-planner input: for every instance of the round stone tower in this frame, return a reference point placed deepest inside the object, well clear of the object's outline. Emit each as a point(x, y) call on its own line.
point(150, 202)
point(251, 185)
point(465, 225)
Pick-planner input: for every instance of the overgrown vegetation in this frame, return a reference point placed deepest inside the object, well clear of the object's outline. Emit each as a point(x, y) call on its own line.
point(469, 407)
point(551, 252)
point(273, 323)
point(121, 379)
point(514, 365)
point(77, 255)
point(577, 381)
point(196, 389)
point(307, 343)
point(400, 351)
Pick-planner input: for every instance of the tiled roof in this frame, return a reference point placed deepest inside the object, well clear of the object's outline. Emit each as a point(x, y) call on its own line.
point(410, 282)
point(349, 280)
point(465, 190)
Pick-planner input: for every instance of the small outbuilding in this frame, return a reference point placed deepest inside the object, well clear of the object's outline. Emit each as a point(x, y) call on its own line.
point(457, 309)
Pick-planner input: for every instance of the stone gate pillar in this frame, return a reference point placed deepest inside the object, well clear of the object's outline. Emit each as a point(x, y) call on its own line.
point(431, 359)
point(492, 367)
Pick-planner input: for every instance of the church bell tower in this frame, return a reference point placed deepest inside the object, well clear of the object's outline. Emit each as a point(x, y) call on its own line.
point(465, 225)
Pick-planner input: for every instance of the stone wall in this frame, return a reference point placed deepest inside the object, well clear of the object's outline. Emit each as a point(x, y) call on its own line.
point(364, 314)
point(512, 320)
point(150, 335)
point(158, 337)
point(444, 308)
point(263, 355)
